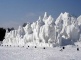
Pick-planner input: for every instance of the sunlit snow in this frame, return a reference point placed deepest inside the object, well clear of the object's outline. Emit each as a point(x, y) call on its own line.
point(46, 32)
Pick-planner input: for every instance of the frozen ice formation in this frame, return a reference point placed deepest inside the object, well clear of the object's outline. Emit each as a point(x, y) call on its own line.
point(46, 32)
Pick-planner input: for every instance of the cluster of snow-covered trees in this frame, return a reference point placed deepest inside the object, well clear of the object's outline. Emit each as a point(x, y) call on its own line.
point(46, 31)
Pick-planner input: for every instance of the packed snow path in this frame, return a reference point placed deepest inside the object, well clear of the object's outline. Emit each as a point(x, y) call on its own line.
point(32, 53)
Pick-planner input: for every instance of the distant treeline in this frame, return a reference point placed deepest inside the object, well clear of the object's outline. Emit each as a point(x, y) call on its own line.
point(3, 31)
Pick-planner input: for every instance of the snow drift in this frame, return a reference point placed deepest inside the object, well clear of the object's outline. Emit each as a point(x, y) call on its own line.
point(46, 32)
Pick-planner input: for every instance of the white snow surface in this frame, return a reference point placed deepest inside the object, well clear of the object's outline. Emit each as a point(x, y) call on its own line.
point(46, 32)
point(22, 53)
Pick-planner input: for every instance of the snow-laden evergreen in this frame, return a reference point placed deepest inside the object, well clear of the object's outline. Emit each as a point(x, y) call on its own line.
point(46, 31)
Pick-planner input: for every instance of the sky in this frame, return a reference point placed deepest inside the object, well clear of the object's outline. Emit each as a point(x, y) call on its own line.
point(16, 12)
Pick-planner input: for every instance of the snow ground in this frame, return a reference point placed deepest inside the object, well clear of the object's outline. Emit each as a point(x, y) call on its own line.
point(31, 53)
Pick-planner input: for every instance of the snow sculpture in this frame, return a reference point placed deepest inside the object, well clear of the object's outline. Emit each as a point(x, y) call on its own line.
point(14, 37)
point(46, 32)
point(79, 20)
point(21, 31)
point(70, 29)
point(45, 17)
point(36, 29)
point(59, 23)
point(28, 34)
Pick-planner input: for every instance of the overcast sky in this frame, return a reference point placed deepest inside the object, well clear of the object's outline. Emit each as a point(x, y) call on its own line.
point(15, 12)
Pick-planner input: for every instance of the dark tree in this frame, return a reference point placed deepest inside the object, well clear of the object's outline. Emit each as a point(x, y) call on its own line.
point(2, 33)
point(24, 24)
point(10, 29)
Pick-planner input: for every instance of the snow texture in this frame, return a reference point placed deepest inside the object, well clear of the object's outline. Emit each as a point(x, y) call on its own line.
point(31, 53)
point(46, 32)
